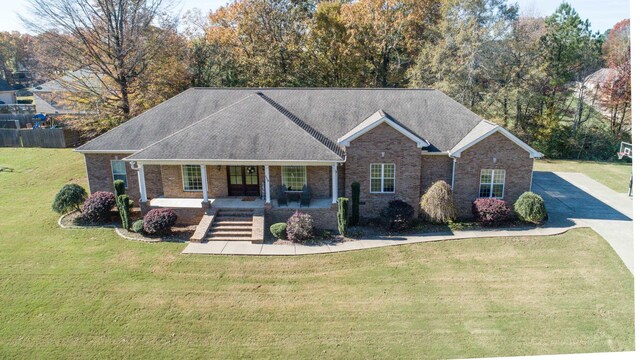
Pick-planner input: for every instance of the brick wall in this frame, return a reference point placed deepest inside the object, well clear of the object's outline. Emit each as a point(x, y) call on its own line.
point(508, 156)
point(434, 168)
point(398, 149)
point(100, 177)
point(172, 182)
point(322, 218)
point(318, 178)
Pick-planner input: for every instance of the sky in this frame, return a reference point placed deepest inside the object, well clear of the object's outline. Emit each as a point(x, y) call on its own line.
point(602, 14)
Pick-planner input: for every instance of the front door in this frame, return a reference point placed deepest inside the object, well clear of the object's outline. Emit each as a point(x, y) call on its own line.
point(243, 181)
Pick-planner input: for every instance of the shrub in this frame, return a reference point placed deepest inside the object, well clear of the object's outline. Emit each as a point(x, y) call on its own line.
point(138, 226)
point(437, 203)
point(530, 207)
point(159, 221)
point(490, 210)
point(70, 197)
point(397, 215)
point(118, 185)
point(299, 227)
point(343, 215)
point(279, 230)
point(123, 209)
point(98, 207)
point(355, 206)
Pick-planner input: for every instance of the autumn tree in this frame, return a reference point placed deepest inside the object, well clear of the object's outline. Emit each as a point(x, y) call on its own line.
point(114, 39)
point(617, 91)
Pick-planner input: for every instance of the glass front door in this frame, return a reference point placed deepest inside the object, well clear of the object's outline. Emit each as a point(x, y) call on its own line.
point(243, 181)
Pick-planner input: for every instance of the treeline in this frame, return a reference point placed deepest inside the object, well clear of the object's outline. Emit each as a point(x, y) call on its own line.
point(526, 73)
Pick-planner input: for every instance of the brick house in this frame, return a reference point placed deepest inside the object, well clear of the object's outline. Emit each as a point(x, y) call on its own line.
point(269, 149)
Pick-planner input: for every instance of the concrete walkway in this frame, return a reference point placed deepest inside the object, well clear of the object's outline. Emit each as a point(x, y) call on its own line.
point(573, 200)
point(247, 248)
point(576, 199)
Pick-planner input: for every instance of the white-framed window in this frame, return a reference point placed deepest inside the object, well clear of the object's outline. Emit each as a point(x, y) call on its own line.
point(119, 171)
point(382, 178)
point(191, 178)
point(294, 177)
point(492, 183)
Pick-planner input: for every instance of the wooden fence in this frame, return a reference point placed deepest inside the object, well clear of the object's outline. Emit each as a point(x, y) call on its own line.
point(46, 138)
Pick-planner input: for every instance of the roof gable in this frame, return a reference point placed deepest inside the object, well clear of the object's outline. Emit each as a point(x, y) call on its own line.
point(249, 130)
point(482, 131)
point(377, 118)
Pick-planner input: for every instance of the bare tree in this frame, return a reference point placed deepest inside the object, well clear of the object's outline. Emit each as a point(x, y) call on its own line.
point(111, 38)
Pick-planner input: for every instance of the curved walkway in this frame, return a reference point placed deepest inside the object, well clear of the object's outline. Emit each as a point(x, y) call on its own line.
point(247, 248)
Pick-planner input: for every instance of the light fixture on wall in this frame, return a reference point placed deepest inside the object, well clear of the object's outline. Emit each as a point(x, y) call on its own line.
point(494, 160)
point(382, 154)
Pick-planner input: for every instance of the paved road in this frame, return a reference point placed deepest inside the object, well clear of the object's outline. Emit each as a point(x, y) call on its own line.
point(575, 198)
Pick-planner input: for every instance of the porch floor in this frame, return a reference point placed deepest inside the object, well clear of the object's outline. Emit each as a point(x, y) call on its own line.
point(235, 203)
point(220, 203)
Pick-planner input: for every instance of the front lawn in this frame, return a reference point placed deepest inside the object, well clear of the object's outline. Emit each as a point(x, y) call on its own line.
point(91, 294)
point(615, 175)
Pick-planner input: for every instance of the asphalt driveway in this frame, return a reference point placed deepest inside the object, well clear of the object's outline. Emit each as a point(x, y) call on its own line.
point(576, 199)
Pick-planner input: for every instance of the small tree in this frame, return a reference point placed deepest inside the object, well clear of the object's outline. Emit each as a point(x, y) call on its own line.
point(530, 207)
point(70, 197)
point(437, 203)
point(343, 215)
point(118, 185)
point(355, 206)
point(123, 204)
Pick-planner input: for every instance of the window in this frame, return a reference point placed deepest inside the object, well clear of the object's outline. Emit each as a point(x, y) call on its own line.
point(119, 171)
point(492, 183)
point(191, 178)
point(383, 178)
point(294, 177)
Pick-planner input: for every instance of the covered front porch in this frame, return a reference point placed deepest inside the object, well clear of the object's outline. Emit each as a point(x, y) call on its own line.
point(240, 185)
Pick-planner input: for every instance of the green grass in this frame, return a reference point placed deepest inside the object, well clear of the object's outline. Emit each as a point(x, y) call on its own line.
point(615, 175)
point(91, 294)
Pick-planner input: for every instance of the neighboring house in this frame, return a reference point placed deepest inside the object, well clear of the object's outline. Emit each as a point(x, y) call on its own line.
point(62, 96)
point(599, 80)
point(7, 93)
point(209, 144)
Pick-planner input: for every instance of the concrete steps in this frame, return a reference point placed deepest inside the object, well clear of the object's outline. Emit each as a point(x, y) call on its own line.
point(231, 225)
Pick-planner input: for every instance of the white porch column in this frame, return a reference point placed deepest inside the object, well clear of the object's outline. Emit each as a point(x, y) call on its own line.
point(141, 183)
point(334, 183)
point(267, 185)
point(205, 186)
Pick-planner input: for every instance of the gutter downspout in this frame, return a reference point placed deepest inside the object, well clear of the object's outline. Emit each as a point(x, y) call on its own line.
point(453, 175)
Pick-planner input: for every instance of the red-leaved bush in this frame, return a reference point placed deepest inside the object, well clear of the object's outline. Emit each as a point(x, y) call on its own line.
point(97, 207)
point(490, 210)
point(159, 221)
point(299, 227)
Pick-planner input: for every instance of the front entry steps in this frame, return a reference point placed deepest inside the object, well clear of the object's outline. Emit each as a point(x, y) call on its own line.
point(231, 225)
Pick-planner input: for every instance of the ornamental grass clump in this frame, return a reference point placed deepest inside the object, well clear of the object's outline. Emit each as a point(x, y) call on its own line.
point(530, 208)
point(69, 198)
point(97, 208)
point(437, 203)
point(299, 227)
point(490, 211)
point(159, 221)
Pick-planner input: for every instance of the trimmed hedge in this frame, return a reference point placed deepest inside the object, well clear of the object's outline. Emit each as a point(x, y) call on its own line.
point(437, 203)
point(70, 197)
point(530, 207)
point(343, 215)
point(119, 187)
point(397, 215)
point(490, 210)
point(124, 205)
point(299, 227)
point(159, 221)
point(138, 226)
point(279, 230)
point(97, 208)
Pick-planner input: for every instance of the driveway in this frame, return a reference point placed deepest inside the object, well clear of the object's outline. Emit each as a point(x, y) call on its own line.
point(576, 199)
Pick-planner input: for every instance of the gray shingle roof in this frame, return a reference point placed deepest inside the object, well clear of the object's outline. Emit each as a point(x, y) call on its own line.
point(250, 129)
point(4, 86)
point(326, 114)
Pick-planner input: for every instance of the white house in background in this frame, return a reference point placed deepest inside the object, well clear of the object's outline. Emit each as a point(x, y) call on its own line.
point(7, 93)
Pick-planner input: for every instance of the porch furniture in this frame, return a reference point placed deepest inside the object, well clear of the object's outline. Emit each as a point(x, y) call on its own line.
point(282, 196)
point(293, 195)
point(305, 198)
